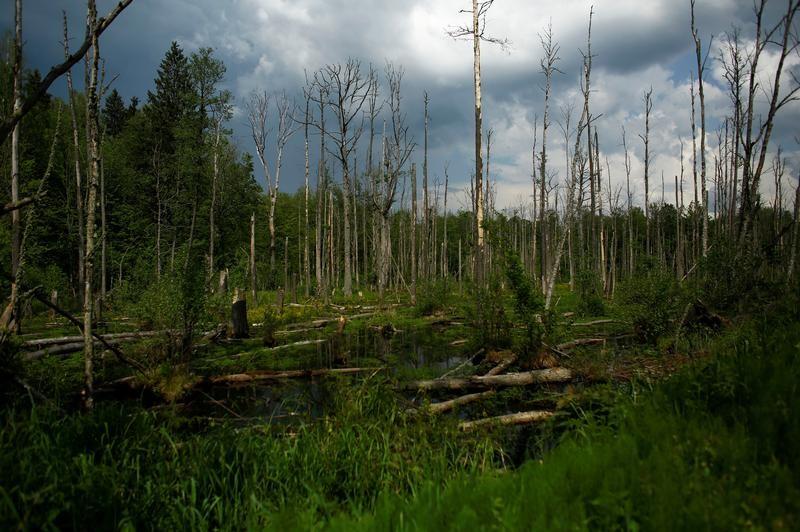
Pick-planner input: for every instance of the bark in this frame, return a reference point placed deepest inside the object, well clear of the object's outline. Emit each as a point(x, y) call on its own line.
point(414, 258)
point(15, 214)
point(520, 418)
point(239, 318)
point(542, 376)
point(93, 127)
point(255, 376)
point(446, 406)
point(704, 192)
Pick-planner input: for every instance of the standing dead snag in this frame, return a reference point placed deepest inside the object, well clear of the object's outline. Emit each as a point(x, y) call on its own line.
point(548, 68)
point(348, 91)
point(398, 146)
point(93, 131)
point(258, 115)
point(13, 323)
point(476, 33)
point(648, 106)
point(704, 192)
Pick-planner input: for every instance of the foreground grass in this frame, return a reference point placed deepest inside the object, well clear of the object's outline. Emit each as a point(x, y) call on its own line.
point(715, 447)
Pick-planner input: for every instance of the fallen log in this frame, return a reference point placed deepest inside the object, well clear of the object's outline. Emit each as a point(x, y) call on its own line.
point(322, 322)
point(595, 322)
point(61, 340)
point(579, 342)
point(520, 418)
point(63, 349)
point(445, 406)
point(540, 376)
point(290, 374)
point(286, 346)
point(502, 366)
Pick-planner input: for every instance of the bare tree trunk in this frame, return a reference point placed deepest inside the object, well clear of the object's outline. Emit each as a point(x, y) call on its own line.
point(648, 106)
point(700, 68)
point(479, 237)
point(93, 127)
point(306, 266)
point(76, 154)
point(253, 258)
point(214, 179)
point(414, 258)
point(15, 214)
point(795, 237)
point(425, 202)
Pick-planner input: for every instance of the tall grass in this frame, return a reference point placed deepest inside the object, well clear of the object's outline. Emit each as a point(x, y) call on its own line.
point(717, 447)
point(114, 468)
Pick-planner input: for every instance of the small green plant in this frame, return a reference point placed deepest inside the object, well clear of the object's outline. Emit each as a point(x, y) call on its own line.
point(431, 297)
point(528, 305)
point(590, 294)
point(651, 300)
point(488, 316)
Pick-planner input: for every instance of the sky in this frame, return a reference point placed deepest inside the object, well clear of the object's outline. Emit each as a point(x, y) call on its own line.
point(271, 44)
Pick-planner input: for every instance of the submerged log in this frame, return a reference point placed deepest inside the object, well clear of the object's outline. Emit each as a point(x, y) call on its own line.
point(541, 376)
point(520, 418)
point(254, 376)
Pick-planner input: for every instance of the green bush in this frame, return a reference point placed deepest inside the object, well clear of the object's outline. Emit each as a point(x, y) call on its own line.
point(651, 300)
point(528, 305)
point(488, 316)
point(432, 296)
point(590, 294)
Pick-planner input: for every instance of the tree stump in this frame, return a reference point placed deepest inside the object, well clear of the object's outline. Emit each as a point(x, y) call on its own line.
point(239, 317)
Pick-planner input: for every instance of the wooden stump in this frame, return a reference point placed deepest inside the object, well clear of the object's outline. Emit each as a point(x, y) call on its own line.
point(239, 317)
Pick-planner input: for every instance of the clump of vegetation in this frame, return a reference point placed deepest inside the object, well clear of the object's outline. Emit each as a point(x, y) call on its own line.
point(432, 297)
point(590, 294)
point(651, 302)
point(141, 470)
point(488, 316)
point(528, 305)
point(269, 326)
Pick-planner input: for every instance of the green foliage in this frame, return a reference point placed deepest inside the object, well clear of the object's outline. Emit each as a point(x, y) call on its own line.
point(651, 301)
point(117, 469)
point(714, 448)
point(488, 316)
point(528, 304)
point(432, 296)
point(590, 294)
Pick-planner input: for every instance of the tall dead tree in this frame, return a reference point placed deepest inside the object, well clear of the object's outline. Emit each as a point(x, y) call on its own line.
point(15, 214)
point(398, 145)
point(258, 116)
point(704, 192)
point(648, 106)
point(93, 128)
point(425, 203)
point(221, 112)
point(755, 142)
point(548, 68)
point(476, 32)
point(348, 93)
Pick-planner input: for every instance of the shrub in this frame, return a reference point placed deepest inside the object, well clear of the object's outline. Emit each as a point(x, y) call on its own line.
point(528, 305)
point(431, 297)
point(651, 301)
point(590, 294)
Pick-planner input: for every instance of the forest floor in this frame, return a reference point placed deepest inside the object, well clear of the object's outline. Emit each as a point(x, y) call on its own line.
point(329, 425)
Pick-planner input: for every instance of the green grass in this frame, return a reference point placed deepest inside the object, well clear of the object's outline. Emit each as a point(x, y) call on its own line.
point(715, 447)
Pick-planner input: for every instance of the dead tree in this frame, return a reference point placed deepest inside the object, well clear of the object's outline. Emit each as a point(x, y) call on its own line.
point(221, 112)
point(648, 106)
point(398, 145)
point(476, 32)
point(93, 130)
point(548, 68)
point(704, 192)
point(348, 93)
point(755, 141)
point(15, 214)
point(38, 91)
point(258, 116)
